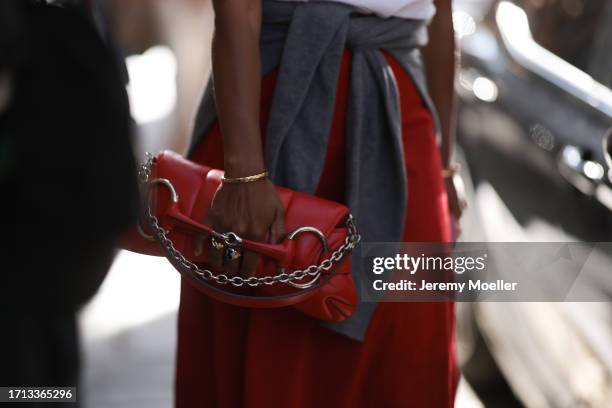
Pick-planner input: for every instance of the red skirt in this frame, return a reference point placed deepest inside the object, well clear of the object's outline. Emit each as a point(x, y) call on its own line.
point(235, 357)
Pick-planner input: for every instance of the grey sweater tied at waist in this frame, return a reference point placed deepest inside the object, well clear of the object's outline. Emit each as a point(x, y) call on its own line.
point(306, 41)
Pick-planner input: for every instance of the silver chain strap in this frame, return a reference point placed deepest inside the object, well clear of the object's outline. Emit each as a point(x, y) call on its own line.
point(350, 242)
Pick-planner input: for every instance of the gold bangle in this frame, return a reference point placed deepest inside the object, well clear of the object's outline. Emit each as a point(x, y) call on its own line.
point(247, 179)
point(451, 170)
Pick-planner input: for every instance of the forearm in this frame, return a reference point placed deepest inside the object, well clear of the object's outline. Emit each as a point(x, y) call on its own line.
point(440, 61)
point(237, 82)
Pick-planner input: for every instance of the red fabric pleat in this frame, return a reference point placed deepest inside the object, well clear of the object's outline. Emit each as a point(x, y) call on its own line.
point(232, 357)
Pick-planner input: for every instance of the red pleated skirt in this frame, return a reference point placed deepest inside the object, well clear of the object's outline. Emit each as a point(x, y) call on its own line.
point(234, 357)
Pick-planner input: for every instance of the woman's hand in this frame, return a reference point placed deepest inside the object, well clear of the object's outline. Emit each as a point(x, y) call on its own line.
point(253, 211)
point(455, 190)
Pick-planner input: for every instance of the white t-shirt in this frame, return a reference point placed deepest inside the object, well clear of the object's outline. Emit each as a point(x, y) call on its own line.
point(415, 9)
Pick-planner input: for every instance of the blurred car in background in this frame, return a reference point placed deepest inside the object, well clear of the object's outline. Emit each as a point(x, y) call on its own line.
point(535, 114)
point(535, 93)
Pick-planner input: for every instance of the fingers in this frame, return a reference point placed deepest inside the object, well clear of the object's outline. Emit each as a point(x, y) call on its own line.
point(215, 252)
point(277, 229)
point(198, 244)
point(456, 196)
point(215, 257)
point(250, 260)
point(463, 204)
point(458, 207)
point(460, 193)
point(253, 212)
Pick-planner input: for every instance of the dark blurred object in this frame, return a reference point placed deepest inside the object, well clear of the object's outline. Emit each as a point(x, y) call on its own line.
point(68, 182)
point(11, 29)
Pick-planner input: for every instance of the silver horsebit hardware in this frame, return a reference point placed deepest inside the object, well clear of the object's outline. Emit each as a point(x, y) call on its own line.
point(232, 241)
point(229, 242)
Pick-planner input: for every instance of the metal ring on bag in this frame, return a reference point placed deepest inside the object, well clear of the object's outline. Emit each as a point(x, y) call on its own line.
point(173, 196)
point(325, 244)
point(232, 254)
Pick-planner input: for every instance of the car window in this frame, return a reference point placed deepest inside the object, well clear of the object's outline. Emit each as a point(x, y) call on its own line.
point(579, 31)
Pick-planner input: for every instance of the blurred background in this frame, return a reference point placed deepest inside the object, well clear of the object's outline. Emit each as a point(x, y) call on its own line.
point(535, 108)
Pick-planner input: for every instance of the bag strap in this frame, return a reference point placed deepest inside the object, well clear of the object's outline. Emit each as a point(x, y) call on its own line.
point(205, 276)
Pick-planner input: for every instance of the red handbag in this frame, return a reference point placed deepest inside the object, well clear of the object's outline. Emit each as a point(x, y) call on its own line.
point(310, 270)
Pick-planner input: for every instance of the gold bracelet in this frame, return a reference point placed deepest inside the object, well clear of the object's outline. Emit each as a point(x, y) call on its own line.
point(247, 179)
point(451, 170)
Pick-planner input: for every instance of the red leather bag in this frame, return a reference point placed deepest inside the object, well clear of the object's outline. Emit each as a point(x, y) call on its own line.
point(310, 270)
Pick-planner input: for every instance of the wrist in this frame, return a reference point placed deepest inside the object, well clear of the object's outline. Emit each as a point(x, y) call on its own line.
point(236, 166)
point(247, 179)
